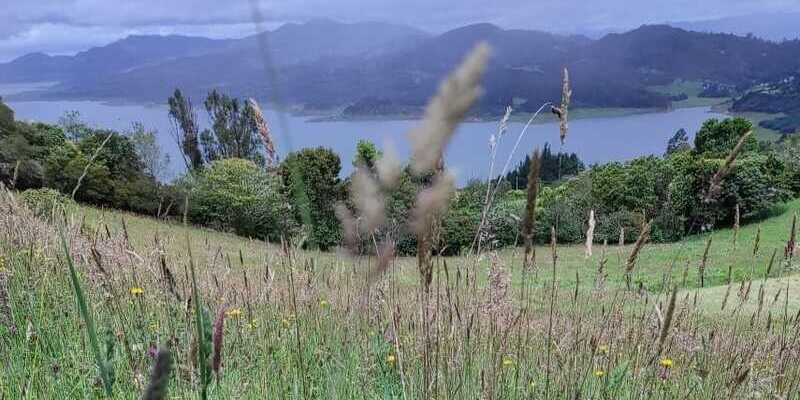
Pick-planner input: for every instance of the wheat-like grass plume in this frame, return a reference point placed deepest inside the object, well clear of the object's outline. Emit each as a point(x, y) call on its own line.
point(159, 376)
point(590, 234)
point(388, 167)
point(529, 219)
point(219, 334)
point(263, 132)
point(445, 111)
point(791, 244)
point(644, 236)
point(725, 169)
point(369, 202)
point(431, 202)
point(703, 261)
point(562, 111)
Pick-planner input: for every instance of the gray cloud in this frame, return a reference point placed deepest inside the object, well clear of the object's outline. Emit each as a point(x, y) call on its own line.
point(67, 26)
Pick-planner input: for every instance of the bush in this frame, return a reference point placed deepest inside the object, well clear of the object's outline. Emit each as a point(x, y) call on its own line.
point(315, 193)
point(45, 203)
point(236, 195)
point(716, 139)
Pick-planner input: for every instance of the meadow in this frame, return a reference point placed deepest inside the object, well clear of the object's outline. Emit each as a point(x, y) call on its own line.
point(305, 324)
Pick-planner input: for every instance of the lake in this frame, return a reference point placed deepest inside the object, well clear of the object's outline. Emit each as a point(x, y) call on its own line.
point(593, 139)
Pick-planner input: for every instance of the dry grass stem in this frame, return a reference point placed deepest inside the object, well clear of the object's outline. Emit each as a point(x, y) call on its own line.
point(445, 111)
point(263, 132)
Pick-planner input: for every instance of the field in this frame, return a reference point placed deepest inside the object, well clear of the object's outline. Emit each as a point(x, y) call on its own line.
point(301, 324)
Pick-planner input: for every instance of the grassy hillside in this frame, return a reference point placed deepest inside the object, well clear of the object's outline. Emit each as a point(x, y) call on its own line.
point(656, 261)
point(300, 324)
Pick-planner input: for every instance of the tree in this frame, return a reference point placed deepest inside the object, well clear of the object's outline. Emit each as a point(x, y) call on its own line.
point(678, 142)
point(367, 154)
point(716, 139)
point(185, 129)
point(74, 128)
point(311, 178)
point(234, 132)
point(553, 168)
point(144, 141)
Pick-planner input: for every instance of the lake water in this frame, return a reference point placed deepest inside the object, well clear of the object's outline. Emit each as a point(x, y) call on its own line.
point(593, 139)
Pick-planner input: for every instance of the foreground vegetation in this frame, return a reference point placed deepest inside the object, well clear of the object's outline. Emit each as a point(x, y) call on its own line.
point(314, 325)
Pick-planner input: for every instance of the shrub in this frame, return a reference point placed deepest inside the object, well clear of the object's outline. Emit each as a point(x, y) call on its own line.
point(716, 139)
point(315, 193)
point(236, 195)
point(45, 202)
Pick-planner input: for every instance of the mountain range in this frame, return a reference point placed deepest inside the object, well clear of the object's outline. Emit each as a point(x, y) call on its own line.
point(378, 68)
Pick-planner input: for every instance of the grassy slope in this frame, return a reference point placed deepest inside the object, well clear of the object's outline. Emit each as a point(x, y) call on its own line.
point(656, 261)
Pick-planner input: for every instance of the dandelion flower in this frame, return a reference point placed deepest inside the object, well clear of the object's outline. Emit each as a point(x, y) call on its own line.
point(603, 349)
point(508, 362)
point(666, 363)
point(252, 324)
point(599, 373)
point(154, 326)
point(391, 359)
point(137, 291)
point(234, 313)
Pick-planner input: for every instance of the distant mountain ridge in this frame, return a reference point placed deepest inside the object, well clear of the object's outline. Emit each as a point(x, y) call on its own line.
point(770, 26)
point(377, 67)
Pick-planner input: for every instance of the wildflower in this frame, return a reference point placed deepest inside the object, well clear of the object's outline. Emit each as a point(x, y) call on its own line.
point(508, 362)
point(323, 304)
point(391, 359)
point(603, 349)
point(137, 291)
point(285, 323)
point(234, 313)
point(252, 324)
point(154, 326)
point(599, 373)
point(666, 363)
point(2, 264)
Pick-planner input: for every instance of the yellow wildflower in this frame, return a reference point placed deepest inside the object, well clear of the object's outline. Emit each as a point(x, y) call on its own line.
point(666, 363)
point(285, 323)
point(234, 313)
point(507, 362)
point(323, 304)
point(252, 324)
point(154, 326)
point(390, 359)
point(603, 349)
point(599, 373)
point(137, 291)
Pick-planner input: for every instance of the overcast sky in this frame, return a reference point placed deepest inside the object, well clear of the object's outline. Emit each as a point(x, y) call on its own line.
point(68, 26)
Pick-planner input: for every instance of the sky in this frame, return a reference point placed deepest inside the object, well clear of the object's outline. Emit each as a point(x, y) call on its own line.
point(69, 26)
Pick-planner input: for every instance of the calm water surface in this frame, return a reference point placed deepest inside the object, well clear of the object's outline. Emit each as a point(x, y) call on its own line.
point(595, 139)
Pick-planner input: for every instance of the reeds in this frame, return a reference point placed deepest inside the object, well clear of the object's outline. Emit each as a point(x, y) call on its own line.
point(529, 219)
